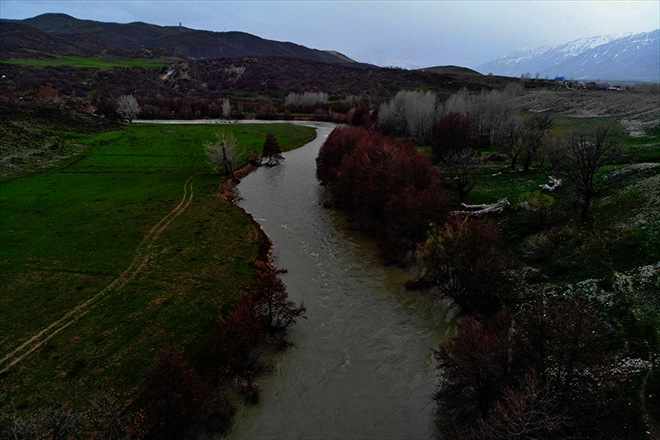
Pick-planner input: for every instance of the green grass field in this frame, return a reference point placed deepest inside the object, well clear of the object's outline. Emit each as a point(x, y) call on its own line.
point(115, 252)
point(99, 63)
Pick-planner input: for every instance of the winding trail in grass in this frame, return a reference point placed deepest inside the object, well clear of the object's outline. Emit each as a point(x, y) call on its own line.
point(140, 258)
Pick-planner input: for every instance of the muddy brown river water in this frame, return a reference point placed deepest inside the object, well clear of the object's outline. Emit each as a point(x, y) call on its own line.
point(361, 365)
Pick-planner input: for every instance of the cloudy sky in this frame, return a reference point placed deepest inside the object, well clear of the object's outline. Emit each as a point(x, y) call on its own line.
point(406, 33)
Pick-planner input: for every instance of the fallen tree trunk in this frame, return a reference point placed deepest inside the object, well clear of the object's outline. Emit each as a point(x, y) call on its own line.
point(477, 210)
point(552, 186)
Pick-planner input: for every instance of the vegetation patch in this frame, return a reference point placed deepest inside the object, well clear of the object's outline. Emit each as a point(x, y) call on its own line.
point(98, 63)
point(117, 252)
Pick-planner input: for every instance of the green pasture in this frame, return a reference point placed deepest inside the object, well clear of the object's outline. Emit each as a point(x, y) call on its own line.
point(624, 232)
point(105, 228)
point(99, 63)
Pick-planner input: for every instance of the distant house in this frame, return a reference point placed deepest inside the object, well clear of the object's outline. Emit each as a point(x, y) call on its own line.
point(560, 78)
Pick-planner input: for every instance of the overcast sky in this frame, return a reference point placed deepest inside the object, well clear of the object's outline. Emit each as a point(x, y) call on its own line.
point(406, 33)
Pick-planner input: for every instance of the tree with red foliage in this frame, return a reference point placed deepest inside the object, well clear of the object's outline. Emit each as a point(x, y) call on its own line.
point(465, 260)
point(340, 143)
point(276, 312)
point(390, 189)
point(476, 369)
point(173, 394)
point(453, 134)
point(362, 117)
point(240, 332)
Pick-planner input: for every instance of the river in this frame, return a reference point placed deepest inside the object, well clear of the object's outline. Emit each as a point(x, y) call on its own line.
point(361, 365)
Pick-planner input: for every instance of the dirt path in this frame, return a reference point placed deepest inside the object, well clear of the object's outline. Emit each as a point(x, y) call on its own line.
point(140, 258)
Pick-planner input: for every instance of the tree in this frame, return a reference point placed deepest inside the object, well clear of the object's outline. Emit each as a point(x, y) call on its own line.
point(455, 133)
point(271, 151)
point(226, 108)
point(512, 142)
point(411, 113)
point(276, 311)
point(340, 143)
point(465, 261)
point(128, 107)
point(173, 393)
point(534, 131)
point(460, 172)
point(476, 369)
point(527, 411)
point(560, 338)
point(586, 154)
point(113, 424)
point(222, 152)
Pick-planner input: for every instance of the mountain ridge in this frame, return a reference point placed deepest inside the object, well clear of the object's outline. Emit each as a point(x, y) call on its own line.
point(177, 40)
point(625, 57)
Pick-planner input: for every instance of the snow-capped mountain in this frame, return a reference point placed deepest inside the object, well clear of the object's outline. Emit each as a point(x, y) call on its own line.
point(611, 57)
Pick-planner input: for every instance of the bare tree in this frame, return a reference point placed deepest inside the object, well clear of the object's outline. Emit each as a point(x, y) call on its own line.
point(222, 152)
point(586, 154)
point(512, 142)
point(411, 113)
point(54, 423)
point(554, 148)
point(461, 172)
point(128, 107)
point(307, 98)
point(113, 423)
point(226, 108)
point(534, 131)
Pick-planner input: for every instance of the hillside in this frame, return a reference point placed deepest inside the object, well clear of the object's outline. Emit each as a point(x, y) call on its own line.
point(452, 70)
point(68, 35)
point(21, 41)
point(625, 58)
point(271, 78)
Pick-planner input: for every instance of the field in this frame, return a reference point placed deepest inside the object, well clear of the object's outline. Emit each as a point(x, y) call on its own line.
point(99, 63)
point(113, 252)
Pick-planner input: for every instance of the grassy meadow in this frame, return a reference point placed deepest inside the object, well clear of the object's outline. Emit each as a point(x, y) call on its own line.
point(623, 232)
point(114, 252)
point(98, 63)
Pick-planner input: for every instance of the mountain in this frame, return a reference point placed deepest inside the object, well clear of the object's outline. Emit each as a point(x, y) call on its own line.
point(66, 35)
point(631, 57)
